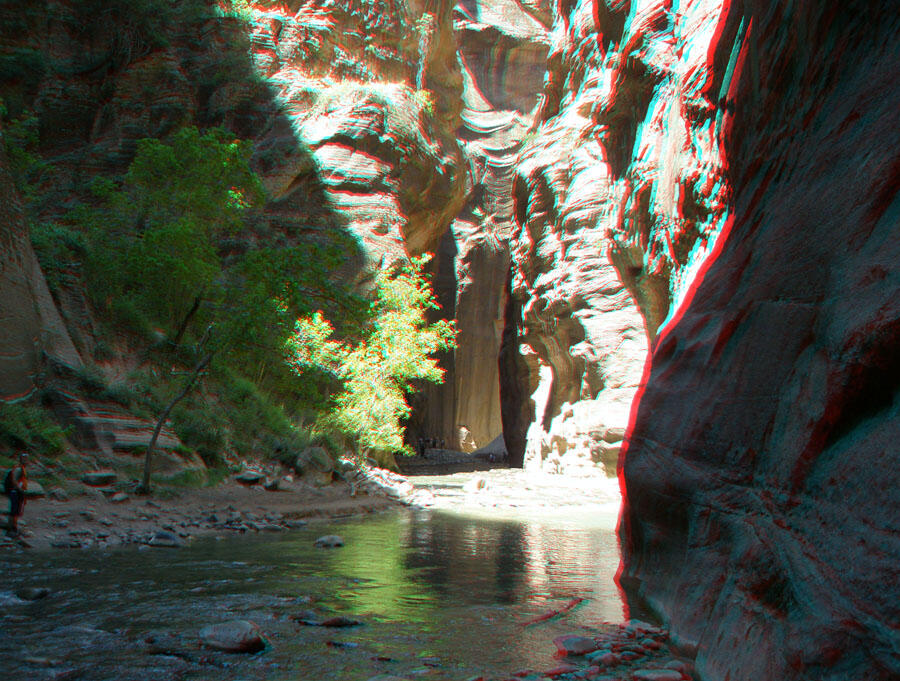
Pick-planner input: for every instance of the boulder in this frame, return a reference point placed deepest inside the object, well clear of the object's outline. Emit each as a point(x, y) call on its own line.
point(99, 478)
point(165, 539)
point(249, 477)
point(236, 636)
point(572, 644)
point(313, 460)
point(35, 490)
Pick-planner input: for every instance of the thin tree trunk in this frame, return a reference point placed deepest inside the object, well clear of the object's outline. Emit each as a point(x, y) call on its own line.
point(144, 487)
point(187, 318)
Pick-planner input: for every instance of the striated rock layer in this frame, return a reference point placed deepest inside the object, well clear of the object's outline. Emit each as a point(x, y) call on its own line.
point(618, 196)
point(762, 516)
point(501, 49)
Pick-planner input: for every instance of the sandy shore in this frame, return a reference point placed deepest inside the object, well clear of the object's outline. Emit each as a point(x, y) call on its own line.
point(91, 520)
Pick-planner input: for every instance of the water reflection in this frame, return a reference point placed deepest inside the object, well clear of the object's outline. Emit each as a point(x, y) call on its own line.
point(435, 584)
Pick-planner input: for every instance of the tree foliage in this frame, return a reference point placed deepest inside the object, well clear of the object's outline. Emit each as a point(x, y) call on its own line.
point(155, 239)
point(376, 371)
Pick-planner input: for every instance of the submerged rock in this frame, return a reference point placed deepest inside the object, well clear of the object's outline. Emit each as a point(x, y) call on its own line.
point(237, 636)
point(329, 541)
point(32, 593)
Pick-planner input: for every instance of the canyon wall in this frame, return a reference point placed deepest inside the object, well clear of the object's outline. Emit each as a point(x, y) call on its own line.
point(618, 197)
point(32, 333)
point(501, 50)
point(762, 516)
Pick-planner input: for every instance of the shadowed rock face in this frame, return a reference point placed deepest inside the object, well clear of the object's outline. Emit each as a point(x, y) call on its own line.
point(618, 196)
point(762, 514)
point(31, 330)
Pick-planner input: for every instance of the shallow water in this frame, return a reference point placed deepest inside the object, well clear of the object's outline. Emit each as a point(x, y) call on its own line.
point(441, 596)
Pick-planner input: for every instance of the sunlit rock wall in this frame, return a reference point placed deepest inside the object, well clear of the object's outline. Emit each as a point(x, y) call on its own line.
point(618, 195)
point(369, 94)
point(762, 473)
point(501, 52)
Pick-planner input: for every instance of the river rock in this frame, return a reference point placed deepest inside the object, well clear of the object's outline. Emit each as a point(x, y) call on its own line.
point(573, 644)
point(330, 541)
point(35, 490)
point(165, 539)
point(250, 477)
point(99, 478)
point(237, 636)
point(118, 498)
point(475, 485)
point(340, 621)
point(32, 593)
point(656, 675)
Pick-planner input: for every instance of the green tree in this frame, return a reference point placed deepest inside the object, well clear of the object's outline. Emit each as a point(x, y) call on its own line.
point(377, 370)
point(155, 240)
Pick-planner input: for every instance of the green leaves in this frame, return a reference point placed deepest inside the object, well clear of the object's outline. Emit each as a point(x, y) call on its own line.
point(154, 239)
point(377, 369)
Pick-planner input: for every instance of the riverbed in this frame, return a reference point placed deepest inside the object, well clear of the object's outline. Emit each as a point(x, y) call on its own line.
point(455, 591)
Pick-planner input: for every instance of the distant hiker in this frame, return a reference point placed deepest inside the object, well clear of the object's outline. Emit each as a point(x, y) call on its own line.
point(14, 485)
point(442, 443)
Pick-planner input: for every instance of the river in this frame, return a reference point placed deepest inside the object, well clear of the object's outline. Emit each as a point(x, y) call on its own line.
point(441, 594)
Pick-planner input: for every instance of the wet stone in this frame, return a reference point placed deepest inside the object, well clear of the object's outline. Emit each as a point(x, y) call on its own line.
point(237, 636)
point(574, 645)
point(32, 593)
point(329, 541)
point(164, 539)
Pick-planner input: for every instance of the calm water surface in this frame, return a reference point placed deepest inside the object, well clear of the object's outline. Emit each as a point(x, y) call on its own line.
point(442, 596)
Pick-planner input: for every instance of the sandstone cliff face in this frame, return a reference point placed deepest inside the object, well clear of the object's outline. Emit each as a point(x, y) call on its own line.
point(502, 47)
point(762, 470)
point(618, 196)
point(32, 334)
point(368, 97)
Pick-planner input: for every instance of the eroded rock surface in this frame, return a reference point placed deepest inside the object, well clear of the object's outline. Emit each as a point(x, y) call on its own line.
point(618, 196)
point(761, 474)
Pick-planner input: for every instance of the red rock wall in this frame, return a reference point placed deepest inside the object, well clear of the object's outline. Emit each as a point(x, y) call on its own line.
point(619, 194)
point(763, 515)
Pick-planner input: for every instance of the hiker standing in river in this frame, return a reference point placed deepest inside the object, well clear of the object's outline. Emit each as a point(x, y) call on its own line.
point(14, 485)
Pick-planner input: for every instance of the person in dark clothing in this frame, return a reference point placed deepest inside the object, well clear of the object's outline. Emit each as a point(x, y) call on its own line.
point(14, 485)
